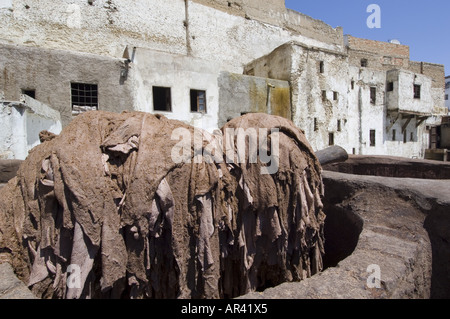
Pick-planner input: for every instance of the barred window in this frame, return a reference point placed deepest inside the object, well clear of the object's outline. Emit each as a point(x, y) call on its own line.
point(84, 97)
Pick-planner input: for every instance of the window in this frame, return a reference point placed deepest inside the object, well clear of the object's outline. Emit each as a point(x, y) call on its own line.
point(417, 91)
point(405, 137)
point(364, 63)
point(373, 95)
point(84, 97)
point(324, 95)
point(353, 85)
point(411, 138)
point(339, 126)
point(316, 125)
point(198, 101)
point(30, 92)
point(372, 138)
point(162, 100)
point(446, 97)
point(321, 67)
point(394, 135)
point(390, 86)
point(335, 96)
point(331, 139)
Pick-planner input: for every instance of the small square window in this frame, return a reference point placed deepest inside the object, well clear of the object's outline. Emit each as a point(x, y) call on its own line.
point(417, 89)
point(198, 101)
point(390, 86)
point(30, 92)
point(162, 99)
point(364, 63)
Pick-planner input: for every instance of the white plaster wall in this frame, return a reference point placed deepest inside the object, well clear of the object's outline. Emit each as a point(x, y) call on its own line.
point(307, 85)
point(403, 96)
point(234, 41)
point(105, 27)
point(20, 125)
point(181, 74)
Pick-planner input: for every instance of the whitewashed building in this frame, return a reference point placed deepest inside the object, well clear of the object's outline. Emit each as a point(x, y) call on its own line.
point(207, 61)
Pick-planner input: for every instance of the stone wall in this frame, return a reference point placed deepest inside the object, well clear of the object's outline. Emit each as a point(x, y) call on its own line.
point(50, 73)
point(241, 94)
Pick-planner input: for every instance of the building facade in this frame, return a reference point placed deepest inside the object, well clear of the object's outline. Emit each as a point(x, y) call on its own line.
point(207, 61)
point(447, 93)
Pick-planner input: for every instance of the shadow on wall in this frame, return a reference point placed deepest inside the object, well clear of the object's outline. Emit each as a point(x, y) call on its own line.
point(437, 225)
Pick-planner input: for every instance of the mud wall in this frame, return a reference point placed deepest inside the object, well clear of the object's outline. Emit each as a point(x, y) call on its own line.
point(392, 167)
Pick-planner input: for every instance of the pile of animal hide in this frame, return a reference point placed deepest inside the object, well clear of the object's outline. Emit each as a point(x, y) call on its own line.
point(128, 206)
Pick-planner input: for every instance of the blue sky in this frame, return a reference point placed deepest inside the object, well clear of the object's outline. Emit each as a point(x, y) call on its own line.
point(423, 25)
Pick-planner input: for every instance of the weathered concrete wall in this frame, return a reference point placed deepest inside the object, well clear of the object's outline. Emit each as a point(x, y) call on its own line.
point(240, 94)
point(103, 28)
point(447, 93)
point(402, 98)
point(316, 114)
point(230, 33)
point(181, 74)
point(50, 73)
point(20, 125)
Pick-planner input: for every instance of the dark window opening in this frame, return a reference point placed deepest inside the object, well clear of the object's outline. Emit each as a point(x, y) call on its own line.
point(373, 95)
point(446, 97)
point(411, 138)
point(331, 139)
point(405, 139)
point(394, 135)
point(364, 63)
point(324, 95)
point(339, 127)
point(417, 91)
point(162, 100)
point(30, 92)
point(335, 96)
point(390, 86)
point(84, 96)
point(353, 85)
point(198, 101)
point(372, 138)
point(321, 67)
point(316, 125)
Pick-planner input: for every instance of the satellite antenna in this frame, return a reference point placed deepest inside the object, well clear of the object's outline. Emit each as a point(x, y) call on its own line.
point(395, 41)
